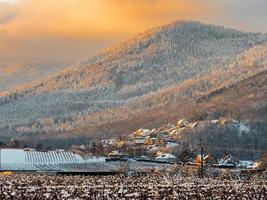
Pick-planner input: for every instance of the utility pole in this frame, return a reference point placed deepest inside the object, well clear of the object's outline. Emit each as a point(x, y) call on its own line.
point(202, 161)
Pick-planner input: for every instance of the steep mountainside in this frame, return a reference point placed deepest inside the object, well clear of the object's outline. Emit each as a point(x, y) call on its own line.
point(161, 75)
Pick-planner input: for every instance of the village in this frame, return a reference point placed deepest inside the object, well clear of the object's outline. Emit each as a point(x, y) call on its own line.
point(169, 144)
point(165, 145)
point(147, 164)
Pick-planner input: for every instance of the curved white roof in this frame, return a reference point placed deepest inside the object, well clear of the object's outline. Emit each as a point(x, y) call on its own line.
point(17, 159)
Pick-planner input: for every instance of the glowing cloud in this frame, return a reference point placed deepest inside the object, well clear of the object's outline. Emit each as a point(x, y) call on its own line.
point(96, 18)
point(32, 29)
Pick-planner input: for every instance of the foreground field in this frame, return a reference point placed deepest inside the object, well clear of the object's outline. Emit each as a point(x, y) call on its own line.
point(152, 186)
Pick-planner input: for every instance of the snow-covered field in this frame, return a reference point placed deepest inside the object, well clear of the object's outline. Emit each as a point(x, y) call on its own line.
point(152, 186)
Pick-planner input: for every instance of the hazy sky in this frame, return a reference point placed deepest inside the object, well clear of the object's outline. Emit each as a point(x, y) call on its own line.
point(73, 30)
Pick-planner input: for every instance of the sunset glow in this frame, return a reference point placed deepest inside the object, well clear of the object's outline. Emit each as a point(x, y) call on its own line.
point(83, 18)
point(95, 24)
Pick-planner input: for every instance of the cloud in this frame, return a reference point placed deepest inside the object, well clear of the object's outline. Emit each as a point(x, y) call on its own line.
point(7, 14)
point(43, 29)
point(6, 17)
point(95, 18)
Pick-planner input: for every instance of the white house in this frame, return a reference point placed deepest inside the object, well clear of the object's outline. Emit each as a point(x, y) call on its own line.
point(166, 157)
point(115, 154)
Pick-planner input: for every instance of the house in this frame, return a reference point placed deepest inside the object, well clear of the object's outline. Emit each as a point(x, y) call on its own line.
point(150, 141)
point(109, 142)
point(247, 164)
point(141, 133)
point(166, 157)
point(182, 123)
point(139, 141)
point(227, 162)
point(198, 159)
point(115, 154)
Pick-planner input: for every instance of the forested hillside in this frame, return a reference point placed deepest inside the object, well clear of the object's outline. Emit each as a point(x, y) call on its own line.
point(181, 70)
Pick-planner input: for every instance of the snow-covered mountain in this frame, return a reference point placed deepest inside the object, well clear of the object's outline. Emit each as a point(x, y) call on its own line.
point(158, 58)
point(179, 62)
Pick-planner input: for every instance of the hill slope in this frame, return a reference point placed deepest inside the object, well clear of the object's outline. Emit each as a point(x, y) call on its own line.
point(141, 82)
point(12, 75)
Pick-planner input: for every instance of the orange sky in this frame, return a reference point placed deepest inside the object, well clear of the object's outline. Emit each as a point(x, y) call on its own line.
point(76, 29)
point(93, 18)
